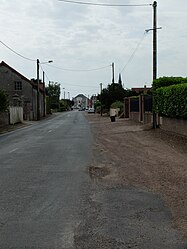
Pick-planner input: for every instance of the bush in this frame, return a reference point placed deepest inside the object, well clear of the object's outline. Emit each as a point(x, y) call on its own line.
point(97, 106)
point(171, 101)
point(63, 106)
point(168, 81)
point(118, 104)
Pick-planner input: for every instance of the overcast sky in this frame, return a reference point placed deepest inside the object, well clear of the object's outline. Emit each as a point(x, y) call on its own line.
point(84, 37)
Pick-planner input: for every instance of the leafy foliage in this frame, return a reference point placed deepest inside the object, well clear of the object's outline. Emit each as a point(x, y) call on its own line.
point(97, 106)
point(53, 91)
point(118, 104)
point(168, 81)
point(114, 92)
point(171, 101)
point(65, 105)
point(3, 101)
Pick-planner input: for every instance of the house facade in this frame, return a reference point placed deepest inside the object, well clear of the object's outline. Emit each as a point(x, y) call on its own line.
point(21, 91)
point(81, 101)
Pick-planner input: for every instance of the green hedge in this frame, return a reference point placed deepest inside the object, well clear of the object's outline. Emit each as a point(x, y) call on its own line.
point(168, 81)
point(171, 101)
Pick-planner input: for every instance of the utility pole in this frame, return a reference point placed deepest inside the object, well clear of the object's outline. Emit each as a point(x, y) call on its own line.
point(44, 96)
point(154, 29)
point(101, 87)
point(38, 86)
point(38, 90)
point(154, 40)
point(154, 55)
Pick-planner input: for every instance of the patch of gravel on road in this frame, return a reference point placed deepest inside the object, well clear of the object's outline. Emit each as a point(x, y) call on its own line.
point(98, 171)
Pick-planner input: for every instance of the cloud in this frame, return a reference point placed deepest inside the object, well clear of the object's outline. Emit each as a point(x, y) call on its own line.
point(85, 37)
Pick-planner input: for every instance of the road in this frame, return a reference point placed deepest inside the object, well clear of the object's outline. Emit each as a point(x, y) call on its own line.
point(42, 180)
point(52, 198)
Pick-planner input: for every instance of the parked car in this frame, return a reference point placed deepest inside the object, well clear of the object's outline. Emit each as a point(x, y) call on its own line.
point(82, 109)
point(91, 110)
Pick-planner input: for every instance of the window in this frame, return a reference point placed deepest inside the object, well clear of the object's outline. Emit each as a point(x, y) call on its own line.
point(18, 85)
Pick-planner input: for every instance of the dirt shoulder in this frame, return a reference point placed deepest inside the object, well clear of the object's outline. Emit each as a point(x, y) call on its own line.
point(9, 128)
point(139, 156)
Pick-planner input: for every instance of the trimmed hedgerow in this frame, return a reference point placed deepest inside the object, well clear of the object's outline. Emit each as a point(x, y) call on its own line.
point(171, 101)
point(168, 81)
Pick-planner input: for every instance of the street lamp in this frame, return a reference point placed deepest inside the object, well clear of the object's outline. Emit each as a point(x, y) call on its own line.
point(64, 93)
point(38, 86)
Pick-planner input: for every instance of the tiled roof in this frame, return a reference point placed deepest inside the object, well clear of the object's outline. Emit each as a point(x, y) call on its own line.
point(14, 71)
point(33, 83)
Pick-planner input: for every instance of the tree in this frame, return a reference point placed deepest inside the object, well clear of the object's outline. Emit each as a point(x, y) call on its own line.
point(3, 101)
point(53, 91)
point(114, 92)
point(65, 105)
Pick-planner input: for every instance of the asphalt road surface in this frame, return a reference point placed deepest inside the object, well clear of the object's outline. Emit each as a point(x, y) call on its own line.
point(51, 196)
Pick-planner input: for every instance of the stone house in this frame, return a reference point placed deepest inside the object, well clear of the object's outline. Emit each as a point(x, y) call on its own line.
point(81, 101)
point(21, 91)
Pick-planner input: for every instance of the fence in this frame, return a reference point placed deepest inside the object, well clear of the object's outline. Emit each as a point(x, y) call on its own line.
point(16, 114)
point(139, 108)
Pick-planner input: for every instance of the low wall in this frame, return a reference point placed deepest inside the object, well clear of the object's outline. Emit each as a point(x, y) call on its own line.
point(4, 119)
point(134, 116)
point(174, 125)
point(148, 118)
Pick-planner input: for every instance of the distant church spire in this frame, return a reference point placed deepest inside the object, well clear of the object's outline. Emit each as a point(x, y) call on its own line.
point(120, 80)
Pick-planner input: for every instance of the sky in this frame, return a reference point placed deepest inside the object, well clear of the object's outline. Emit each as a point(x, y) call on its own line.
point(84, 40)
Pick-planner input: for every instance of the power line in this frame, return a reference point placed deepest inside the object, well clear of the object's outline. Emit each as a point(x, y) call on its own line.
point(44, 72)
point(105, 4)
point(73, 85)
point(78, 70)
point(76, 85)
point(134, 52)
point(26, 58)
